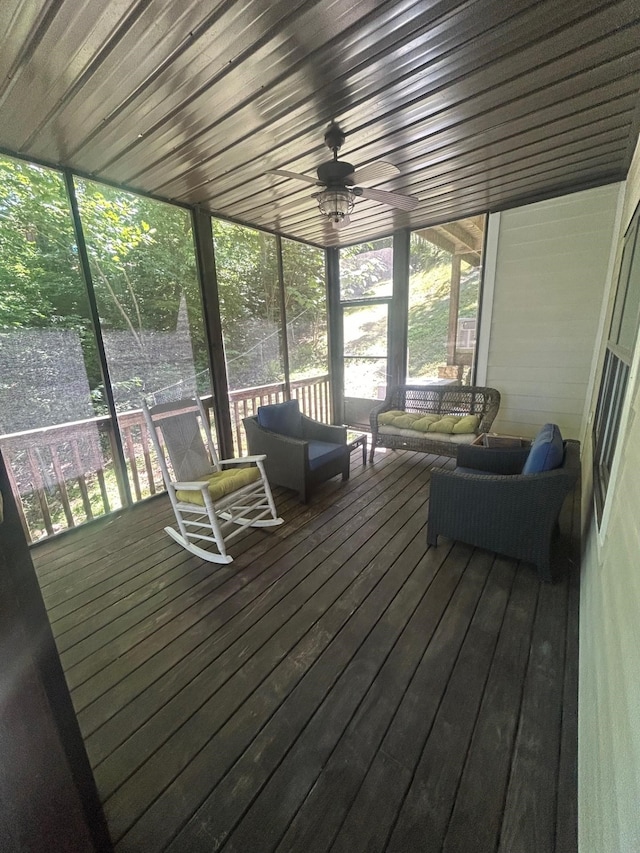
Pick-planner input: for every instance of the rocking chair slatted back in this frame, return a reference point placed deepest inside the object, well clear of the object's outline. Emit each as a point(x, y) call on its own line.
point(189, 457)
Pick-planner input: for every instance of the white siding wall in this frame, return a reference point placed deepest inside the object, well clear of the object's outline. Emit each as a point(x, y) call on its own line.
point(552, 286)
point(550, 273)
point(609, 693)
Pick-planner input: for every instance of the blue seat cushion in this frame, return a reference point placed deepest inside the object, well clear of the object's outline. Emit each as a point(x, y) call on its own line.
point(321, 452)
point(547, 451)
point(283, 418)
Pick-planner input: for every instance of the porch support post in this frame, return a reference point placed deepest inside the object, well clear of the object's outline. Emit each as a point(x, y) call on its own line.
point(284, 339)
point(454, 307)
point(119, 463)
point(399, 310)
point(206, 267)
point(49, 794)
point(335, 334)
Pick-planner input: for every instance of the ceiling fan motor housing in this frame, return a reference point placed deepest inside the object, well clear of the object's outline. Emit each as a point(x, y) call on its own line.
point(334, 137)
point(336, 173)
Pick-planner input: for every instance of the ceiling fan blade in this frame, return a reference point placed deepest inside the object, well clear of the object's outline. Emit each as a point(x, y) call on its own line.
point(399, 200)
point(284, 174)
point(342, 223)
point(374, 172)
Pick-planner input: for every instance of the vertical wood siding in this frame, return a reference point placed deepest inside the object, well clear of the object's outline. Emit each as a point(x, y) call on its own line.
point(550, 277)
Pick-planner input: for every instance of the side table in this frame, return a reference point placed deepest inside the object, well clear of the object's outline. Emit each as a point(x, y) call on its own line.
point(488, 439)
point(358, 440)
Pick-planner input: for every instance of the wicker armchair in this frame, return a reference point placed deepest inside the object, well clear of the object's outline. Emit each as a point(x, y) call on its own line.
point(490, 506)
point(304, 453)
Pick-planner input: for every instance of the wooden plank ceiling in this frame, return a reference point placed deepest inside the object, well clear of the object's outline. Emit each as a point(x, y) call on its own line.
point(481, 104)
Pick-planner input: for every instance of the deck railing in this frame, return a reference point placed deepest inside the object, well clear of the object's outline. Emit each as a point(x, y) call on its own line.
point(64, 475)
point(312, 394)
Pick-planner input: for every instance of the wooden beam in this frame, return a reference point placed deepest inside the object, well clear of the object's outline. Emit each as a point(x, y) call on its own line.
point(462, 238)
point(399, 309)
point(433, 235)
point(335, 332)
point(460, 233)
point(206, 267)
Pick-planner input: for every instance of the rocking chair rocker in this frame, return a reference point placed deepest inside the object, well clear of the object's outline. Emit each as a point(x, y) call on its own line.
point(213, 499)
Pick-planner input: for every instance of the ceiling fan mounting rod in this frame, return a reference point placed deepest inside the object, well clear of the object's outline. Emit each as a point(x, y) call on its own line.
point(334, 138)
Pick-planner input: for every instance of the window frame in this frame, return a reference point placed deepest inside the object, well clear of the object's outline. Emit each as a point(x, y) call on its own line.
point(616, 375)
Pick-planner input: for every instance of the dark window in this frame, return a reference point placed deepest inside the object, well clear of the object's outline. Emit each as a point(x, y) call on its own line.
point(617, 363)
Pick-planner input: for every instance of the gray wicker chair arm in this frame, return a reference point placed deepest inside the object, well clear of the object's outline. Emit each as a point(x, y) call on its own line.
point(492, 459)
point(497, 489)
point(264, 441)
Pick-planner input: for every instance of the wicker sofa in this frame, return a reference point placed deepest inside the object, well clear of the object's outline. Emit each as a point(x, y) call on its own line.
point(441, 400)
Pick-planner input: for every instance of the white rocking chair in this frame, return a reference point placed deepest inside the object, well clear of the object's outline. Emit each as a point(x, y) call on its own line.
point(213, 499)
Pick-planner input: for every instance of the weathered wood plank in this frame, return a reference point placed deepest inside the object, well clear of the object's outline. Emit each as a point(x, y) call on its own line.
point(321, 815)
point(337, 637)
point(194, 673)
point(115, 660)
point(424, 817)
point(366, 828)
point(529, 822)
point(477, 813)
point(116, 712)
point(567, 807)
point(259, 658)
point(339, 686)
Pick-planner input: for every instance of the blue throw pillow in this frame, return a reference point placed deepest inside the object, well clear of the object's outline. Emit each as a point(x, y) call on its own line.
point(283, 418)
point(547, 451)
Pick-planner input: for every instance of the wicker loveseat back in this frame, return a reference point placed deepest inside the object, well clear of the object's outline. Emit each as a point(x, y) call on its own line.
point(433, 400)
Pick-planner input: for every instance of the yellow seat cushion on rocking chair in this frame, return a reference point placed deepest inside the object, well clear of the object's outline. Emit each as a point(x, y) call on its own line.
point(220, 484)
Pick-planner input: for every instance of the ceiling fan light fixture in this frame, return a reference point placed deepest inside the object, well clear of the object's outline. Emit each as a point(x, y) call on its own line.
point(335, 203)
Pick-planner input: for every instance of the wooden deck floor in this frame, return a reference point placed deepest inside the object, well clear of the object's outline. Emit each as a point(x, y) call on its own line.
point(338, 687)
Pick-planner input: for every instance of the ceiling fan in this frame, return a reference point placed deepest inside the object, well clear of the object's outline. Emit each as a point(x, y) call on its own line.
point(341, 182)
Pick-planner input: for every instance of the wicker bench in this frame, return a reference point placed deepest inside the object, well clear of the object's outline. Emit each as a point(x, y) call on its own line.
point(433, 400)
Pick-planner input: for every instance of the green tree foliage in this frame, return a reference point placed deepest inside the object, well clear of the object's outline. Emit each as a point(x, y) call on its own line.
point(40, 280)
point(306, 308)
point(429, 312)
point(247, 274)
point(364, 267)
point(425, 255)
point(41, 283)
point(142, 258)
point(143, 267)
point(143, 270)
point(248, 285)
